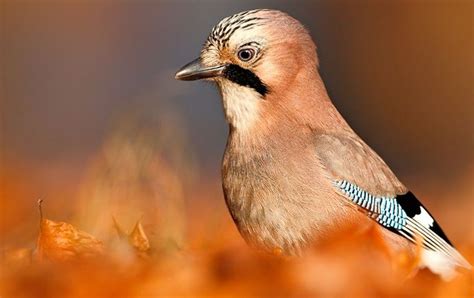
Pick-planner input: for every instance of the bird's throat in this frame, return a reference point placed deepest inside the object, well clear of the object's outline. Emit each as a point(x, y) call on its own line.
point(242, 105)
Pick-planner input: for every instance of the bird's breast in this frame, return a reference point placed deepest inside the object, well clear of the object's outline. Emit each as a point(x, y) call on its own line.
point(278, 199)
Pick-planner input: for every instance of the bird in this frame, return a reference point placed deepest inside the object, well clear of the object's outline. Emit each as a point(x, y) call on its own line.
point(294, 172)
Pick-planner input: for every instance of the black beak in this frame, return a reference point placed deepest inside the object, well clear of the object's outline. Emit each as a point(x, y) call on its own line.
point(195, 71)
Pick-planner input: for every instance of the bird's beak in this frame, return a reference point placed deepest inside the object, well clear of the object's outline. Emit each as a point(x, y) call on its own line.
point(194, 70)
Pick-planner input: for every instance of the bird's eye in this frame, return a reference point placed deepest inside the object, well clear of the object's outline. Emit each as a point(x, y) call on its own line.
point(246, 54)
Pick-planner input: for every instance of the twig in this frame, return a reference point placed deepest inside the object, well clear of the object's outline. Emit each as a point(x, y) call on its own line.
point(40, 201)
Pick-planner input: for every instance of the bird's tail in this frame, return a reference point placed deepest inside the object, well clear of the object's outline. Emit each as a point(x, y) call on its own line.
point(447, 266)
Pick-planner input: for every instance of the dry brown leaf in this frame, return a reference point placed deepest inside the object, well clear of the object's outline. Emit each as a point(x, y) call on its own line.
point(120, 232)
point(60, 241)
point(137, 238)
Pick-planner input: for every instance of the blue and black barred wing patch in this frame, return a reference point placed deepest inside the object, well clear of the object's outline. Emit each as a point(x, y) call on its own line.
point(402, 214)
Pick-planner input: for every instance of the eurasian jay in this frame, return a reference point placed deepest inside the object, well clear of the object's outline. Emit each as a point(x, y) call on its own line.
point(293, 170)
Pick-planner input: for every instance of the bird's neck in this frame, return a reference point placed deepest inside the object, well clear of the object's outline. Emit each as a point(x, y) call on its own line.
point(284, 111)
point(307, 102)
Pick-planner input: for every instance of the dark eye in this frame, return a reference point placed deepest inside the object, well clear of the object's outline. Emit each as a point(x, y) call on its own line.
point(246, 54)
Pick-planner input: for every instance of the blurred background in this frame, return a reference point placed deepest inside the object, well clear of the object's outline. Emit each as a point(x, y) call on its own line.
point(93, 121)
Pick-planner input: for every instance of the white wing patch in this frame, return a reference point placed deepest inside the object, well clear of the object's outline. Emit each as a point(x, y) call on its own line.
point(424, 218)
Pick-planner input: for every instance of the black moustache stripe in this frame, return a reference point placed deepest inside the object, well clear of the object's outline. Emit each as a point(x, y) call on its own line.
point(245, 77)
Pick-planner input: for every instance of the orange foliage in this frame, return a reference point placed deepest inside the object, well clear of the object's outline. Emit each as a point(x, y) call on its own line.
point(347, 265)
point(190, 247)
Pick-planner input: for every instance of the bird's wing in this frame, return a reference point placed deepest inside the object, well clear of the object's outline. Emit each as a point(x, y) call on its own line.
point(360, 176)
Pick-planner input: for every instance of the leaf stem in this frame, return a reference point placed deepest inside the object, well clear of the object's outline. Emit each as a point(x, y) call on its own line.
point(40, 201)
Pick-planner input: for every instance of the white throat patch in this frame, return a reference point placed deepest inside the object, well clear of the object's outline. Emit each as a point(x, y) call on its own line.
point(241, 105)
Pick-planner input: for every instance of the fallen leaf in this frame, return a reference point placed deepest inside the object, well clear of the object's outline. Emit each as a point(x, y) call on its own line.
point(60, 241)
point(137, 238)
point(120, 232)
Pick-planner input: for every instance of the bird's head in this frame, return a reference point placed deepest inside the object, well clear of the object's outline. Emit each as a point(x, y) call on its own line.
point(256, 58)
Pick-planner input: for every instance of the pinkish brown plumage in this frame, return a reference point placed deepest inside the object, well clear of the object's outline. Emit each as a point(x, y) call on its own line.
point(294, 172)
